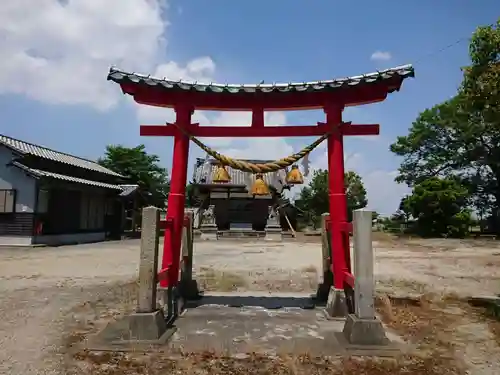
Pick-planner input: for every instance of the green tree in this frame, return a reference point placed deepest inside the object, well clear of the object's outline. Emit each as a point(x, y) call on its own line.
point(141, 168)
point(439, 207)
point(460, 138)
point(356, 193)
point(314, 197)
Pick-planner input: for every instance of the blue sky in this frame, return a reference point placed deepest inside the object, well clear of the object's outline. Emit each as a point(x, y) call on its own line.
point(53, 88)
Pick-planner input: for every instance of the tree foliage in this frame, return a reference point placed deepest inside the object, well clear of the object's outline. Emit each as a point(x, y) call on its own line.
point(141, 168)
point(314, 197)
point(460, 138)
point(439, 207)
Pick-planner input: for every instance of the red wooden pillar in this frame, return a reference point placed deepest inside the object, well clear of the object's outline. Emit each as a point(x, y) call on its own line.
point(176, 199)
point(337, 196)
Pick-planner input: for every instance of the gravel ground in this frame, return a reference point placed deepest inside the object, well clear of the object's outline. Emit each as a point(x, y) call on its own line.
point(39, 286)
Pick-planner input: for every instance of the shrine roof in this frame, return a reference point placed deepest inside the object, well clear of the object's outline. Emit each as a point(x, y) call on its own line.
point(122, 77)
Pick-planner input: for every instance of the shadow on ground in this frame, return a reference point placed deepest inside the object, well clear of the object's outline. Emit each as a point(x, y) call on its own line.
point(266, 302)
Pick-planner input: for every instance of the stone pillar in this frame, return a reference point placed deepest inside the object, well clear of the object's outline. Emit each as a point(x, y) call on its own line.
point(148, 265)
point(197, 218)
point(208, 226)
point(188, 286)
point(324, 287)
point(273, 228)
point(148, 323)
point(363, 328)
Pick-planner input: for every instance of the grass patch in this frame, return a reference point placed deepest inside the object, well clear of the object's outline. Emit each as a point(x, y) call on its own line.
point(90, 316)
point(426, 321)
point(384, 237)
point(406, 286)
point(208, 363)
point(310, 269)
point(489, 311)
point(222, 281)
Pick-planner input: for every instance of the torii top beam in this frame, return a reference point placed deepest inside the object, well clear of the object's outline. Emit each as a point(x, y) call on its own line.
point(350, 91)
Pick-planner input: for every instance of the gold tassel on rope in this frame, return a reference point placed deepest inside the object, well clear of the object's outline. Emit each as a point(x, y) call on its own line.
point(260, 187)
point(221, 175)
point(294, 177)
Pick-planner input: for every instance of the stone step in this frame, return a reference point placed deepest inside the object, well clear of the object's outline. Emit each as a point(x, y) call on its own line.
point(240, 234)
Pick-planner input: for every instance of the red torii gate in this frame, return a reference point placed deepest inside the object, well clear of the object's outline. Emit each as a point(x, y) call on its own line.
point(332, 96)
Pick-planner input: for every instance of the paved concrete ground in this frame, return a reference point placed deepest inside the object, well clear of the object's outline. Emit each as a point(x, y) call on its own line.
point(239, 322)
point(39, 287)
point(235, 323)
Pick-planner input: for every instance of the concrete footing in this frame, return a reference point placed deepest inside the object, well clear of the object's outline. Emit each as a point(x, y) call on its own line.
point(359, 331)
point(147, 326)
point(324, 287)
point(189, 290)
point(273, 234)
point(209, 233)
point(336, 306)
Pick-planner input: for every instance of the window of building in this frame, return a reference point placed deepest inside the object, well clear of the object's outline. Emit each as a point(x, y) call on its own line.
point(7, 201)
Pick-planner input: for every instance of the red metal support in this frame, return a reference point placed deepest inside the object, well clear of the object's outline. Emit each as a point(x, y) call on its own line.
point(176, 199)
point(337, 196)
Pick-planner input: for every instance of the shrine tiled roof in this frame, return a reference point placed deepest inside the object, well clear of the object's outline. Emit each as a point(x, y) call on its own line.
point(120, 77)
point(203, 174)
point(25, 148)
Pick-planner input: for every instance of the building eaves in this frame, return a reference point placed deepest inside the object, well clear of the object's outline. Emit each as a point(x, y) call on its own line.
point(26, 148)
point(120, 76)
point(38, 173)
point(128, 189)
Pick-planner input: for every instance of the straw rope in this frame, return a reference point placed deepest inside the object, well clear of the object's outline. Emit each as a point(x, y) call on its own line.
point(246, 166)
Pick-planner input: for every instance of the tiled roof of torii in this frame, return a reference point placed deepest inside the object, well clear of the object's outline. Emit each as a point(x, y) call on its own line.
point(120, 77)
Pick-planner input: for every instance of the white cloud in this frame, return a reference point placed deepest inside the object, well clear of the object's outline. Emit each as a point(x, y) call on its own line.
point(384, 194)
point(59, 52)
point(380, 56)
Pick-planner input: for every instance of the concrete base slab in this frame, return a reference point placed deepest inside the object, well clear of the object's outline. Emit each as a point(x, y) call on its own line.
point(147, 326)
point(359, 331)
point(389, 349)
point(273, 234)
point(217, 326)
point(233, 323)
point(336, 305)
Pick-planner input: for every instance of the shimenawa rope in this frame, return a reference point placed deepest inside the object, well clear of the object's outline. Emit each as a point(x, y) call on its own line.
point(246, 166)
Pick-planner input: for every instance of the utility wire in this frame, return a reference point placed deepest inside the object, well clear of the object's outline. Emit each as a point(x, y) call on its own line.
point(440, 50)
point(437, 52)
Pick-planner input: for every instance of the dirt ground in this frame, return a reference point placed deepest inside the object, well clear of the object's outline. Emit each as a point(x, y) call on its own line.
point(52, 297)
